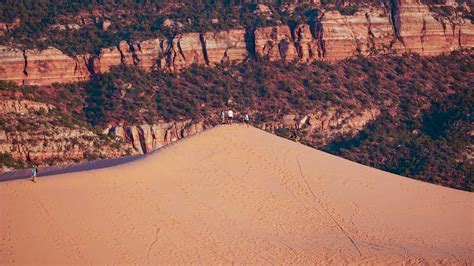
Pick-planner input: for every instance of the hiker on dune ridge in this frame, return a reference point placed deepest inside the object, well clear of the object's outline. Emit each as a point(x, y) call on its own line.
point(247, 120)
point(223, 117)
point(230, 116)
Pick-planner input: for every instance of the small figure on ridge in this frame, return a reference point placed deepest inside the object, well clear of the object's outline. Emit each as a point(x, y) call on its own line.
point(223, 117)
point(247, 120)
point(230, 116)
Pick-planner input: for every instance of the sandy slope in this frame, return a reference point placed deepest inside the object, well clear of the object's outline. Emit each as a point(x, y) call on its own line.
point(234, 194)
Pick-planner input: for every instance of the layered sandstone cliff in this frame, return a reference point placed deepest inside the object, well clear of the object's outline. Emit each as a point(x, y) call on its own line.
point(418, 31)
point(146, 138)
point(23, 107)
point(35, 132)
point(34, 67)
point(367, 32)
point(275, 43)
point(407, 26)
point(13, 64)
point(225, 47)
point(322, 127)
point(149, 54)
point(185, 50)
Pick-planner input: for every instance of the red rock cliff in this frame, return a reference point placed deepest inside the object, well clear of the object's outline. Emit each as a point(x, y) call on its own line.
point(407, 26)
point(225, 46)
point(34, 67)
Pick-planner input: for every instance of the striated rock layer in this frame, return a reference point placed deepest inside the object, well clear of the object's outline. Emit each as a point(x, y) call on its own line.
point(367, 32)
point(325, 125)
point(418, 31)
point(34, 67)
point(225, 47)
point(34, 132)
point(275, 43)
point(406, 27)
point(146, 138)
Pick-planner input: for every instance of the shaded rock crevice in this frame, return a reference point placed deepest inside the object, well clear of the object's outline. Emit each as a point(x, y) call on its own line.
point(423, 35)
point(250, 42)
point(133, 51)
point(371, 47)
point(25, 63)
point(204, 49)
point(317, 30)
point(395, 19)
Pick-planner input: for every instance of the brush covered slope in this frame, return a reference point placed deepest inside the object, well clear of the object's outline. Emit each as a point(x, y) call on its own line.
point(409, 115)
point(235, 194)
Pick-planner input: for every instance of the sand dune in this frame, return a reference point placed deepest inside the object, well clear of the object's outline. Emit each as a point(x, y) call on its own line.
point(234, 195)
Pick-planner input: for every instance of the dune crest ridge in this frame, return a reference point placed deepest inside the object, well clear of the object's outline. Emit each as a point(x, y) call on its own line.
point(235, 195)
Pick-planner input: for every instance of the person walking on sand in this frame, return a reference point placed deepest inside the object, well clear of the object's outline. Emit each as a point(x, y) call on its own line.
point(230, 116)
point(34, 171)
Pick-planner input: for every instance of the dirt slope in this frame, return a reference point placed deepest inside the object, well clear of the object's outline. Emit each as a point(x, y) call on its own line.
point(234, 195)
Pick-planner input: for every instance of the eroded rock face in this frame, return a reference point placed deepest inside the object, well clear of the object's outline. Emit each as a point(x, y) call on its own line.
point(367, 32)
point(418, 31)
point(275, 43)
point(146, 138)
point(23, 106)
point(34, 67)
point(407, 26)
point(149, 54)
point(9, 26)
point(225, 46)
point(12, 64)
point(65, 145)
point(185, 50)
point(51, 65)
point(321, 127)
point(107, 58)
point(307, 46)
point(32, 133)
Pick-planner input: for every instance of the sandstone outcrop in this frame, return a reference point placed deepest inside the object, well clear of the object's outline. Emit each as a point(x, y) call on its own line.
point(225, 46)
point(407, 26)
point(51, 65)
point(9, 26)
point(149, 54)
point(12, 64)
point(34, 67)
point(275, 43)
point(146, 138)
point(325, 125)
point(418, 31)
point(107, 58)
point(185, 50)
point(307, 47)
point(23, 106)
point(30, 132)
point(367, 32)
point(64, 145)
